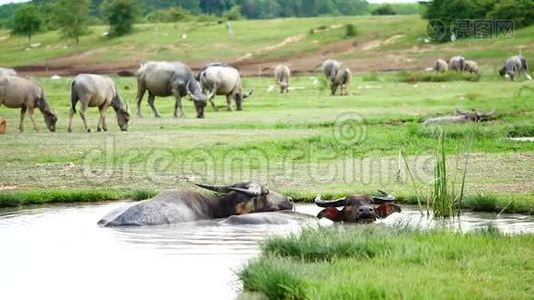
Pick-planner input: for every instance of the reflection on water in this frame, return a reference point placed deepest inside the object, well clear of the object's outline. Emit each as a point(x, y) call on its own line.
point(60, 252)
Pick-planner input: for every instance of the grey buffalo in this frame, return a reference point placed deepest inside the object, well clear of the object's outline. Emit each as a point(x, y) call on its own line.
point(163, 79)
point(341, 80)
point(472, 67)
point(281, 76)
point(440, 66)
point(515, 65)
point(225, 81)
point(7, 72)
point(457, 63)
point(330, 68)
point(178, 206)
point(26, 94)
point(96, 91)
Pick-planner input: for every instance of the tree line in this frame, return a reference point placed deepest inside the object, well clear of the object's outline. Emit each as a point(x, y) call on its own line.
point(520, 12)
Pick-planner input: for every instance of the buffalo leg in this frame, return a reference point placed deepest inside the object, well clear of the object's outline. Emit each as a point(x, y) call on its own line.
point(71, 114)
point(334, 89)
point(22, 113)
point(30, 112)
point(102, 119)
point(178, 106)
point(140, 94)
point(83, 110)
point(229, 102)
point(213, 103)
point(151, 98)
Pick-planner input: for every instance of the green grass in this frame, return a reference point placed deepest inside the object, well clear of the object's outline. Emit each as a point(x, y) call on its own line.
point(427, 76)
point(291, 142)
point(33, 197)
point(263, 40)
point(373, 262)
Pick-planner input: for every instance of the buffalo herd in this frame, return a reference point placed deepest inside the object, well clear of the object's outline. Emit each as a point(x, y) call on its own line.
point(164, 79)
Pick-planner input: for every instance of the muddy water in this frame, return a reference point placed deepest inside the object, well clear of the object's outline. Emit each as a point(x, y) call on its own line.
point(59, 252)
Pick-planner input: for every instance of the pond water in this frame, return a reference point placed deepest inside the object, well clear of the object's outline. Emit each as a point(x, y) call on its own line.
point(59, 252)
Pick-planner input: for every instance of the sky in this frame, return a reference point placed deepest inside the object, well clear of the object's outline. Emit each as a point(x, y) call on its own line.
point(11, 1)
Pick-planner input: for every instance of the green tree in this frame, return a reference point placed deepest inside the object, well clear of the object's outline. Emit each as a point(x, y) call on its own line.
point(72, 16)
point(27, 21)
point(120, 15)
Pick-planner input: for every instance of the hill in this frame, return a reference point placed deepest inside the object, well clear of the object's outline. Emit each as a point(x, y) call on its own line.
point(381, 44)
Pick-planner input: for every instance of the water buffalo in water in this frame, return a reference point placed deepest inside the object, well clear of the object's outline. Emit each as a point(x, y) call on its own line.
point(358, 208)
point(96, 91)
point(223, 80)
point(26, 94)
point(513, 66)
point(440, 66)
point(457, 63)
point(178, 206)
point(281, 76)
point(165, 79)
point(3, 125)
point(461, 117)
point(7, 72)
point(342, 79)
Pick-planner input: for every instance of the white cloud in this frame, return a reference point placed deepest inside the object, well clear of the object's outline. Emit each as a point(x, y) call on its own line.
point(12, 1)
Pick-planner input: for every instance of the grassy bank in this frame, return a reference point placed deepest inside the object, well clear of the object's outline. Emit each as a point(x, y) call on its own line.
point(507, 203)
point(372, 262)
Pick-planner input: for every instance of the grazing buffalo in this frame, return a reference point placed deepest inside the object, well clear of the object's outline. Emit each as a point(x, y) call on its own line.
point(461, 117)
point(457, 63)
point(212, 64)
point(515, 65)
point(96, 91)
point(186, 206)
point(165, 79)
point(358, 208)
point(3, 125)
point(7, 72)
point(342, 79)
point(330, 68)
point(281, 76)
point(223, 80)
point(26, 94)
point(440, 66)
point(472, 67)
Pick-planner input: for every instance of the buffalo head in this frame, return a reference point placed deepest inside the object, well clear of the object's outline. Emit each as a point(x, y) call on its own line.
point(195, 93)
point(357, 208)
point(248, 197)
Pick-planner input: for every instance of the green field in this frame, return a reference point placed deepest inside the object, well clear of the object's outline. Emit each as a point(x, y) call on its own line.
point(372, 262)
point(303, 143)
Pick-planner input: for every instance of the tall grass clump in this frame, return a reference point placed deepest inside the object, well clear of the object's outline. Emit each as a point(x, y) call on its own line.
point(444, 199)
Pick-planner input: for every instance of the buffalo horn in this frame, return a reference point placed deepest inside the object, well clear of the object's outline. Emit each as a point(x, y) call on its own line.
point(248, 95)
point(384, 198)
point(193, 97)
point(215, 188)
point(334, 203)
point(252, 190)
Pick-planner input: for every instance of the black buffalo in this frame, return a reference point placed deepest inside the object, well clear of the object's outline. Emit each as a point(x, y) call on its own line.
point(358, 208)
